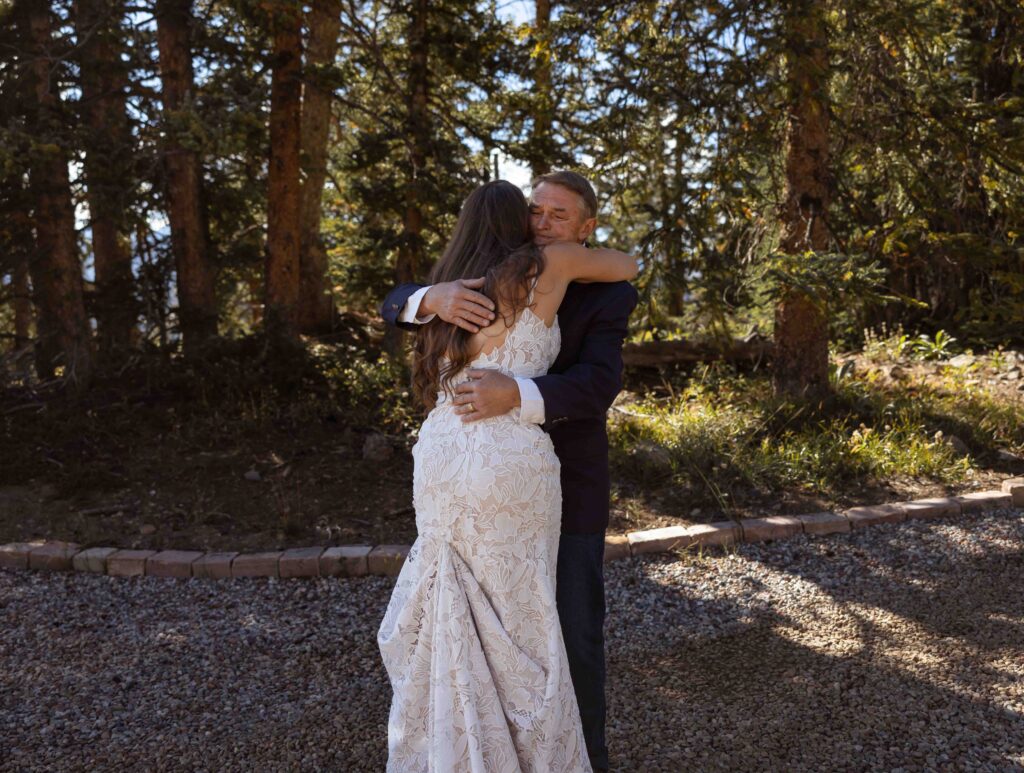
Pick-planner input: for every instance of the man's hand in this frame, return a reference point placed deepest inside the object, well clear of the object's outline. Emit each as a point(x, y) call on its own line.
point(458, 303)
point(488, 393)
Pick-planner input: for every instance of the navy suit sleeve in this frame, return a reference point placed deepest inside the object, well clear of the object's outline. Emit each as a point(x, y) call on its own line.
point(589, 386)
point(394, 304)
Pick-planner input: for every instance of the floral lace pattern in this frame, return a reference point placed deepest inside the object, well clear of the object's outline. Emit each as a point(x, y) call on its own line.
point(471, 638)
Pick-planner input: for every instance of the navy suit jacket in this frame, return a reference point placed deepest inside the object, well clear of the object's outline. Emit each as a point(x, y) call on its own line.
point(578, 390)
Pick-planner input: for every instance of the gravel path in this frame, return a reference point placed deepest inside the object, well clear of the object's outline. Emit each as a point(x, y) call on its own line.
point(896, 648)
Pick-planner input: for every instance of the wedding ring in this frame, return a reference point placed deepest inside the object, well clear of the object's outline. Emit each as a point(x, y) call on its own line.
point(472, 408)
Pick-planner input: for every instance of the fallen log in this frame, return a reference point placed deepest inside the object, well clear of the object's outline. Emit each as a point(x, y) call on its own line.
point(118, 507)
point(651, 354)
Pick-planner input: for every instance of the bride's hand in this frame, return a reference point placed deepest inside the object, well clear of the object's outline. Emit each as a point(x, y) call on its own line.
point(458, 303)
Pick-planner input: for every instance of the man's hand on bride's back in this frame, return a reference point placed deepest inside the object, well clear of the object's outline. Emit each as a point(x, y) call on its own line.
point(458, 303)
point(487, 394)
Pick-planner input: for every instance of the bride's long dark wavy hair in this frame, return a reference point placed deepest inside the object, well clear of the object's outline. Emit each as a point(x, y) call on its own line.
point(491, 239)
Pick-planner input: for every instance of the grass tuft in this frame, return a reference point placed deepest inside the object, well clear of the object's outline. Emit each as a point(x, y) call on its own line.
point(724, 440)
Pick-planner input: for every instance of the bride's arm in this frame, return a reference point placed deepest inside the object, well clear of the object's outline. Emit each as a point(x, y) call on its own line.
point(576, 263)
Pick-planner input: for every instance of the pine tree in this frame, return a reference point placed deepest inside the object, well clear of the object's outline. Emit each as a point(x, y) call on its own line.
point(65, 338)
point(197, 302)
point(284, 192)
point(316, 308)
point(108, 150)
point(800, 364)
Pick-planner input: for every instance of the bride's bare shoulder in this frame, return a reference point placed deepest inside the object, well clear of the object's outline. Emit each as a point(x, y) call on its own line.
point(550, 284)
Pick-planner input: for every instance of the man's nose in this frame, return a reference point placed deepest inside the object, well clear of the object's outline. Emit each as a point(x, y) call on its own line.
point(542, 222)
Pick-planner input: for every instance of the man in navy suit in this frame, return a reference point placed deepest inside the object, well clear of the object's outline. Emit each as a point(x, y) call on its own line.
point(570, 402)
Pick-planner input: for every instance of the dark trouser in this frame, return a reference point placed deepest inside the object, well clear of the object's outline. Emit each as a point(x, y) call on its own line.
point(580, 601)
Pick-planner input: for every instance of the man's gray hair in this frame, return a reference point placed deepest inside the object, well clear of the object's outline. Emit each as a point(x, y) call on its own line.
point(576, 183)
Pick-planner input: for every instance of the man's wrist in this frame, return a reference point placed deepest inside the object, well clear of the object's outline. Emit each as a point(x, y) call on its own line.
point(530, 401)
point(411, 312)
point(425, 309)
point(515, 396)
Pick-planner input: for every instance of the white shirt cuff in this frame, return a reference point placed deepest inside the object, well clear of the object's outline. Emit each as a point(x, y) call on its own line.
point(531, 410)
point(412, 306)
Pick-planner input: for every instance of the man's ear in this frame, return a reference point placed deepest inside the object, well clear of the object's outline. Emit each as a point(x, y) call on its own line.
point(587, 228)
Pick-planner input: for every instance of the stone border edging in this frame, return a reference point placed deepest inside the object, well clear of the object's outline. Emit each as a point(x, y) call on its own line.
point(387, 560)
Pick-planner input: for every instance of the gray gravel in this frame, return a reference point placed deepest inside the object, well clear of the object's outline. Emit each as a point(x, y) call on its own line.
point(898, 648)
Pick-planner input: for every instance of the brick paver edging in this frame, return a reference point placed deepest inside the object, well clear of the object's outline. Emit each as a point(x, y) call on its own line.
point(358, 560)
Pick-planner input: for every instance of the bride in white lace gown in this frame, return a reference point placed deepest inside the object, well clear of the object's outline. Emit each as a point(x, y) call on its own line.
point(471, 638)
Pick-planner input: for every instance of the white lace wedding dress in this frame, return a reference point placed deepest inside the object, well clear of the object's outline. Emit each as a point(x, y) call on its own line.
point(471, 638)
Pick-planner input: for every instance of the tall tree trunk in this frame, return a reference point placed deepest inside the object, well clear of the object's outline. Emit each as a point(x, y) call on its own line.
point(108, 145)
point(674, 250)
point(410, 249)
point(284, 195)
point(19, 228)
point(800, 367)
point(65, 337)
point(541, 144)
point(22, 304)
point(410, 254)
point(316, 308)
point(197, 300)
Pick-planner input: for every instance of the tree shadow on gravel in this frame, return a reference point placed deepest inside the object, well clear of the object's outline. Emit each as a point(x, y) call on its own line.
point(814, 677)
point(735, 684)
point(976, 599)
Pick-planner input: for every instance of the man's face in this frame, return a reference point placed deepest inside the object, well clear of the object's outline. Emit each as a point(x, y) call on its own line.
point(557, 215)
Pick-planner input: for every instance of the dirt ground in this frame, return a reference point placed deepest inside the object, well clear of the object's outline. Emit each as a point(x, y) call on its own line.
point(333, 501)
point(138, 474)
point(313, 491)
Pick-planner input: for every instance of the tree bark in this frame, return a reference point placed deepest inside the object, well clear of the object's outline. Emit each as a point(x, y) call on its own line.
point(22, 240)
point(676, 289)
point(65, 337)
point(801, 325)
point(197, 300)
point(316, 307)
point(108, 145)
point(410, 249)
point(410, 253)
point(284, 193)
point(22, 304)
point(543, 119)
